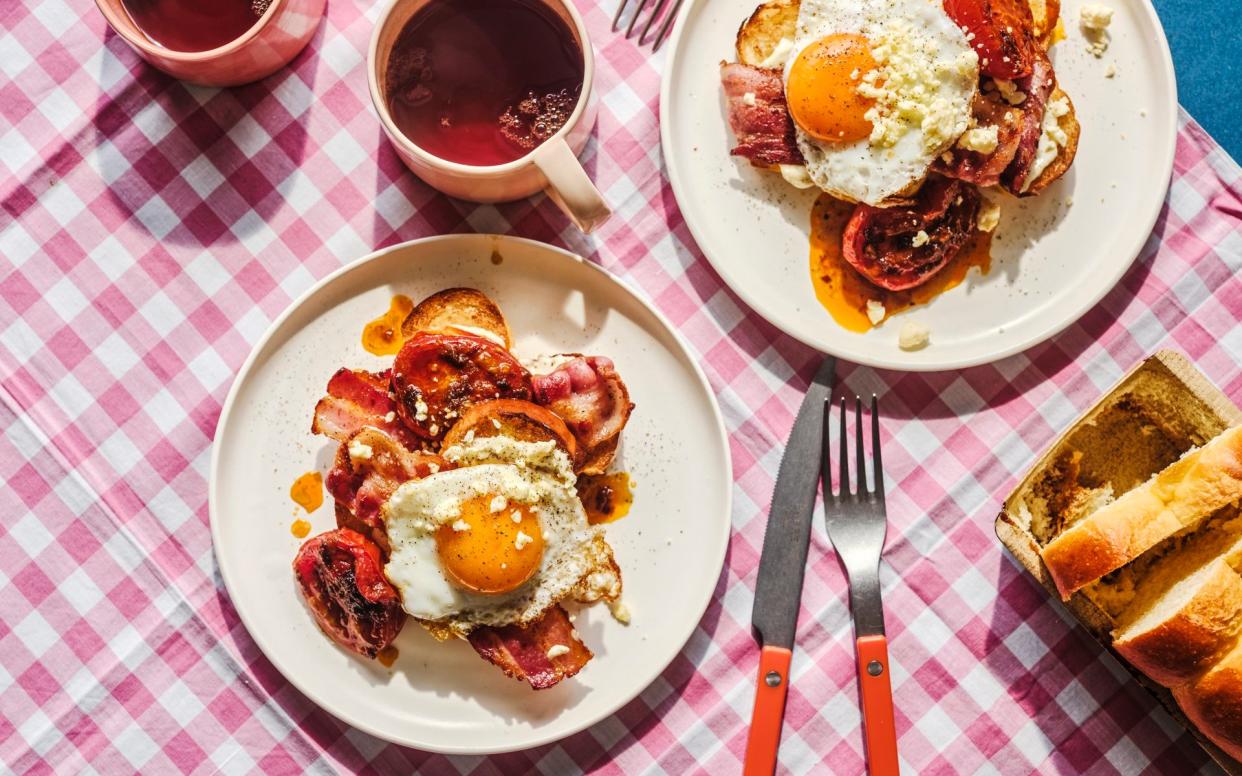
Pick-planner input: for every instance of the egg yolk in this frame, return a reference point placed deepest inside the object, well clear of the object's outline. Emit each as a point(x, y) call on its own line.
point(492, 547)
point(822, 91)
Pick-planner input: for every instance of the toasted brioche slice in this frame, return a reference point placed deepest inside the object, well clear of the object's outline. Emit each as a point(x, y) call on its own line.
point(1213, 702)
point(521, 420)
point(1065, 154)
point(460, 310)
point(759, 35)
point(1180, 497)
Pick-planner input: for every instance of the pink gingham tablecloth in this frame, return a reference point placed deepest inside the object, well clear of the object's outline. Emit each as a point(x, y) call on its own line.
point(151, 230)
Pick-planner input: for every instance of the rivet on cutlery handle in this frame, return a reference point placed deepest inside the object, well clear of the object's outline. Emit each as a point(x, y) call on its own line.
point(877, 702)
point(769, 712)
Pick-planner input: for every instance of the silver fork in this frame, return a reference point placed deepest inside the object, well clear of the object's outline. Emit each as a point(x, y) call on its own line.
point(663, 29)
point(857, 526)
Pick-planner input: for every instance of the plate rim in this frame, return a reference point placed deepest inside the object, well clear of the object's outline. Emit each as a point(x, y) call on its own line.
point(861, 355)
point(717, 559)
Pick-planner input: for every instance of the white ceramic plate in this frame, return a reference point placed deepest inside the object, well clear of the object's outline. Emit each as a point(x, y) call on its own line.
point(1054, 256)
point(441, 696)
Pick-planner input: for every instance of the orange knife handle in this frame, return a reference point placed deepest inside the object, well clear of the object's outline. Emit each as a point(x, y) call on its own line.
point(765, 721)
point(877, 702)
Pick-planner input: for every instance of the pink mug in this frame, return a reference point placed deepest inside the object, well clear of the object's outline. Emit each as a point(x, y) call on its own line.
point(552, 166)
point(276, 38)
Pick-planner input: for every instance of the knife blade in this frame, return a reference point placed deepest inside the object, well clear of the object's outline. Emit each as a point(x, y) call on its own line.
point(782, 566)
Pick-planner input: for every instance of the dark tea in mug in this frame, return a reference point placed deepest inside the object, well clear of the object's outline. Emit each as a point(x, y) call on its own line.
point(483, 82)
point(194, 25)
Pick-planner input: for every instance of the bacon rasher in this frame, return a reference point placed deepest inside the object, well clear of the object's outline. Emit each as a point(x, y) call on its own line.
point(761, 122)
point(357, 398)
point(522, 652)
point(587, 393)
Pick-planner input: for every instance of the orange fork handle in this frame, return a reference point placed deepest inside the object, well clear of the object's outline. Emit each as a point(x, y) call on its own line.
point(765, 721)
point(877, 702)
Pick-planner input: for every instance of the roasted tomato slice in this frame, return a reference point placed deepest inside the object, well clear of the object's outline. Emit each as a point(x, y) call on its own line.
point(901, 247)
point(436, 377)
point(1004, 34)
point(343, 581)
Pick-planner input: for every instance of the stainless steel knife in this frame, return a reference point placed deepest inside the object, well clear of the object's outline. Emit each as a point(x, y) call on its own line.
point(782, 566)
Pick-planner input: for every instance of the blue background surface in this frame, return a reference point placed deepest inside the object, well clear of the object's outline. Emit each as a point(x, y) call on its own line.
point(1206, 39)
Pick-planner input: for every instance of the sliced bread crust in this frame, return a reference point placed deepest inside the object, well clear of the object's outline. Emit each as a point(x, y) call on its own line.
point(1186, 628)
point(1213, 702)
point(1180, 497)
point(458, 310)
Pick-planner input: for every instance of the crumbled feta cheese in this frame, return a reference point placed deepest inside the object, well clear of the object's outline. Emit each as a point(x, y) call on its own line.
point(854, 74)
point(522, 539)
point(989, 215)
point(875, 312)
point(556, 650)
point(469, 437)
point(913, 336)
point(1094, 19)
point(780, 54)
point(1010, 91)
point(906, 86)
point(420, 409)
point(390, 417)
point(1051, 138)
point(499, 503)
point(920, 238)
point(516, 516)
point(1095, 16)
point(1110, 71)
point(620, 612)
point(749, 99)
point(980, 139)
point(433, 429)
point(359, 451)
point(796, 175)
point(460, 525)
point(433, 467)
point(495, 423)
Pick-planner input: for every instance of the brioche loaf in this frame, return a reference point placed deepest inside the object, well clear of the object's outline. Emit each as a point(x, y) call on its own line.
point(1178, 498)
point(1213, 702)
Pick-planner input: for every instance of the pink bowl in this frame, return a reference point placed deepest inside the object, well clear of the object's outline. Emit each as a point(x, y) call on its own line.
point(275, 39)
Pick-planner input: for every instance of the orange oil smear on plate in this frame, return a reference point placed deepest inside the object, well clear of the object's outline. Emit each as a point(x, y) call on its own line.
point(606, 497)
point(300, 528)
point(844, 293)
point(387, 656)
point(382, 336)
point(307, 491)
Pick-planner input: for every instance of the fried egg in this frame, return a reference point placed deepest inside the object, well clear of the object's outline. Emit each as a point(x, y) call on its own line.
point(493, 542)
point(877, 89)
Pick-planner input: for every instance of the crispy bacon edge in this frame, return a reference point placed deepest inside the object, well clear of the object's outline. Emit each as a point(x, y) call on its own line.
point(587, 393)
point(764, 129)
point(356, 399)
point(522, 651)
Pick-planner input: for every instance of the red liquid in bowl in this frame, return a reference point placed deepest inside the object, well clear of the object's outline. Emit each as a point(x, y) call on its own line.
point(194, 25)
point(483, 82)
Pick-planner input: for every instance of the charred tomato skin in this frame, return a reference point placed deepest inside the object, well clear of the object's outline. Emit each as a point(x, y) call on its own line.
point(341, 575)
point(1003, 34)
point(436, 377)
point(879, 242)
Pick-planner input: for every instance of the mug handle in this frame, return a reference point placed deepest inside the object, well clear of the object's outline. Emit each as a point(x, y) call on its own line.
point(568, 185)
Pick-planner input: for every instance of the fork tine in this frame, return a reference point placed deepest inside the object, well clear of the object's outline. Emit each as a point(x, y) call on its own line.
point(616, 19)
point(825, 460)
point(655, 14)
point(669, 18)
point(845, 455)
point(876, 461)
point(859, 454)
point(634, 19)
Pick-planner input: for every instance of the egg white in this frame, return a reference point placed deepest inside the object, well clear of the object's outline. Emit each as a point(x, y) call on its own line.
point(864, 171)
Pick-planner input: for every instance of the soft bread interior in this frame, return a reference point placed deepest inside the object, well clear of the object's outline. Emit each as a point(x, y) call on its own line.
point(762, 31)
